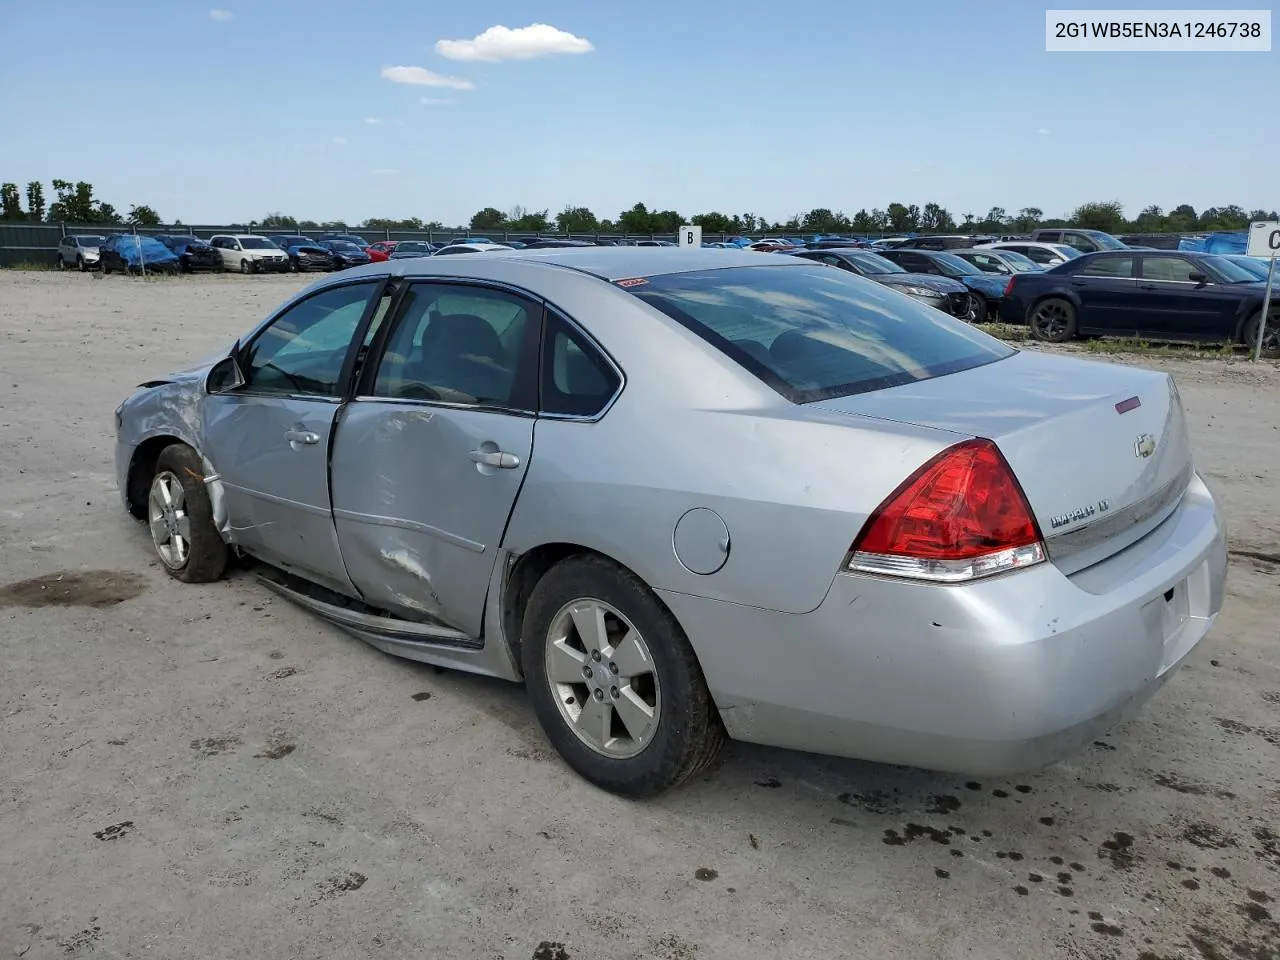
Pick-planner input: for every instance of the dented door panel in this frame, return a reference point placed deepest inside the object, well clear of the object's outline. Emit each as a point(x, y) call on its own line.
point(420, 505)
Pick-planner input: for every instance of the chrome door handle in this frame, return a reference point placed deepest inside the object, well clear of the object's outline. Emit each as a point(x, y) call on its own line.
point(495, 458)
point(301, 436)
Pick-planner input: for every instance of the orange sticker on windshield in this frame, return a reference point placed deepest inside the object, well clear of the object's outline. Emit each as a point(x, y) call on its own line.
point(633, 282)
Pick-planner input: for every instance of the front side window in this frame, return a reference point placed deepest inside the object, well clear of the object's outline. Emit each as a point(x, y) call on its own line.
point(1171, 269)
point(458, 344)
point(576, 380)
point(304, 349)
point(1108, 267)
point(813, 333)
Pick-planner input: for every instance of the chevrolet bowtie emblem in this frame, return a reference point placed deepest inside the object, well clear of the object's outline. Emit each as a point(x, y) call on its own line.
point(1145, 446)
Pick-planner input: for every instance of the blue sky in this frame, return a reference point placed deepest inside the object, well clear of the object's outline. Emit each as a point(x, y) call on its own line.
point(223, 112)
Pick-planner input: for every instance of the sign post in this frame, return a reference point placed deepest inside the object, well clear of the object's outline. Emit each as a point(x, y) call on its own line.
point(1264, 241)
point(690, 236)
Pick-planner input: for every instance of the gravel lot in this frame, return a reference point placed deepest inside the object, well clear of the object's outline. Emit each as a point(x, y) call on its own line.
point(207, 772)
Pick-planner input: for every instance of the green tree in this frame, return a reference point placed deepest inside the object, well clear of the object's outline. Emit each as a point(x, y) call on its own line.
point(142, 216)
point(748, 223)
point(490, 218)
point(935, 217)
point(899, 218)
point(879, 220)
point(1028, 219)
point(279, 221)
point(863, 222)
point(75, 203)
point(535, 221)
point(714, 222)
point(35, 201)
point(11, 203)
point(1107, 215)
point(636, 220)
point(577, 220)
point(104, 213)
point(1150, 220)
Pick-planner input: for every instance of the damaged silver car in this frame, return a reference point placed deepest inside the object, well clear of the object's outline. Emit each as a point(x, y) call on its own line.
point(690, 495)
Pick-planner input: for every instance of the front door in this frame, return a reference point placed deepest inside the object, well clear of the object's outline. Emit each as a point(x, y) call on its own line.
point(429, 456)
point(269, 439)
point(1174, 305)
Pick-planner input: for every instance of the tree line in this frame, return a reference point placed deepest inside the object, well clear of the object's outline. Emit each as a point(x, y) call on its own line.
point(76, 203)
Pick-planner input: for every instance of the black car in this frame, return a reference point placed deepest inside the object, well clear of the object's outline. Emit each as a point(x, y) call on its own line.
point(345, 254)
point(947, 242)
point(304, 253)
point(949, 296)
point(1172, 295)
point(408, 249)
point(193, 253)
point(352, 238)
point(551, 243)
point(986, 290)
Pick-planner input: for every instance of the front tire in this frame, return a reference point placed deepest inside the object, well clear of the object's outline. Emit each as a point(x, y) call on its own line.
point(614, 681)
point(977, 308)
point(1053, 320)
point(246, 267)
point(180, 518)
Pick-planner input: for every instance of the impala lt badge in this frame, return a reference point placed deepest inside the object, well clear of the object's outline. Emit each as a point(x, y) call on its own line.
point(1145, 446)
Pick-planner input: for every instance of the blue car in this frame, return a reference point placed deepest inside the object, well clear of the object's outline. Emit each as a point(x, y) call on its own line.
point(133, 252)
point(986, 290)
point(304, 253)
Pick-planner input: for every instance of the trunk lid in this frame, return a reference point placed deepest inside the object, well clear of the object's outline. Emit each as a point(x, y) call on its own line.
point(1099, 468)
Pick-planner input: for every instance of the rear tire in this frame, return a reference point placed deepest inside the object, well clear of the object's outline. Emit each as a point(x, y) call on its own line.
point(1053, 320)
point(668, 728)
point(180, 518)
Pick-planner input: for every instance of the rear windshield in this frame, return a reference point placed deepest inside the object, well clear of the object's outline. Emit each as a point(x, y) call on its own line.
point(813, 333)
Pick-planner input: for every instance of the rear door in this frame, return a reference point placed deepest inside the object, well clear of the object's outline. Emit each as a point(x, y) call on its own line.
point(1108, 293)
point(1174, 305)
point(430, 455)
point(269, 439)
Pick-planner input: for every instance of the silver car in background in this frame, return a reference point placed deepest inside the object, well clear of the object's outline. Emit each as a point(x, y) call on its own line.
point(79, 250)
point(685, 495)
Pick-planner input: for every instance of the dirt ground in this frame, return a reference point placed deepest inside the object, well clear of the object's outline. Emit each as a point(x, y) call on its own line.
point(206, 772)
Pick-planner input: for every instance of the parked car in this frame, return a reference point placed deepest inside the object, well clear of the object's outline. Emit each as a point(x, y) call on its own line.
point(942, 242)
point(888, 243)
point(1256, 266)
point(358, 240)
point(986, 290)
point(942, 293)
point(1174, 295)
point(304, 253)
point(193, 253)
point(136, 253)
point(381, 250)
point(1045, 254)
point(551, 243)
point(407, 249)
point(1086, 241)
point(343, 254)
point(79, 250)
point(249, 253)
point(828, 490)
point(655, 243)
point(1003, 262)
point(455, 248)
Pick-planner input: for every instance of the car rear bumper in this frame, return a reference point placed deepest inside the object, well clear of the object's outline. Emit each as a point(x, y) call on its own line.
point(995, 677)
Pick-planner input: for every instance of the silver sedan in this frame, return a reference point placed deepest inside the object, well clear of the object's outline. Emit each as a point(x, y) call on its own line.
point(691, 495)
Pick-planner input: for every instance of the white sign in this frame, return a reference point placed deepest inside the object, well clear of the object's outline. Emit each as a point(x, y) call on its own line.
point(690, 236)
point(1264, 239)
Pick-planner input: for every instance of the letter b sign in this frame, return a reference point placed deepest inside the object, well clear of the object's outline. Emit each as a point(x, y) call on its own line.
point(690, 236)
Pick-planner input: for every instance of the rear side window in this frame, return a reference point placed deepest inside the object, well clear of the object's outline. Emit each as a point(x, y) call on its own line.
point(1108, 267)
point(576, 379)
point(813, 333)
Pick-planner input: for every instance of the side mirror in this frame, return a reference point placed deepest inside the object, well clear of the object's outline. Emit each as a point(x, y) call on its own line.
point(1198, 278)
point(225, 376)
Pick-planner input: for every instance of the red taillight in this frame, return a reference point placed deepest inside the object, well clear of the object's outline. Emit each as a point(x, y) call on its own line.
point(960, 516)
point(1008, 287)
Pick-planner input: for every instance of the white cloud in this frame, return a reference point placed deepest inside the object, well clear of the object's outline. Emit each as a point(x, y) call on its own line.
point(1042, 131)
point(422, 77)
point(372, 121)
point(437, 101)
point(524, 43)
point(340, 140)
point(222, 16)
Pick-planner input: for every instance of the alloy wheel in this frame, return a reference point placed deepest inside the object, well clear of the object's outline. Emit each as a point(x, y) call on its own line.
point(1051, 320)
point(603, 678)
point(168, 520)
